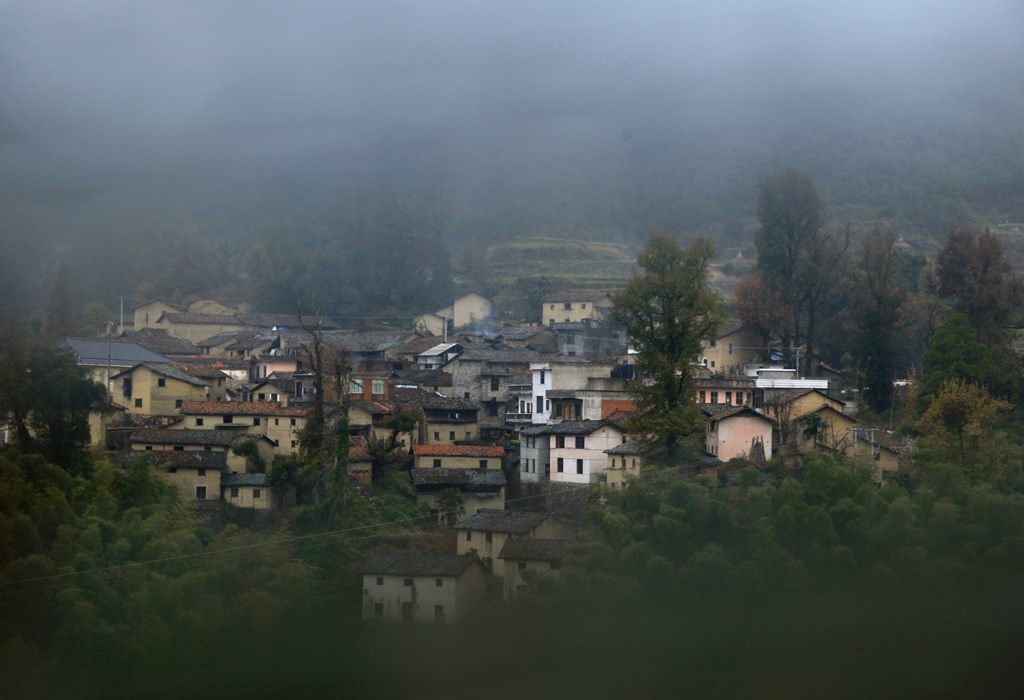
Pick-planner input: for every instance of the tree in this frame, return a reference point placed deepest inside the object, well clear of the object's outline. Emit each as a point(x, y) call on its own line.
point(761, 307)
point(956, 353)
point(59, 318)
point(450, 506)
point(959, 419)
point(668, 310)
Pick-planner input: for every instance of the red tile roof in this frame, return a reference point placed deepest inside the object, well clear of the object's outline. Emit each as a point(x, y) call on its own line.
point(610, 406)
point(458, 451)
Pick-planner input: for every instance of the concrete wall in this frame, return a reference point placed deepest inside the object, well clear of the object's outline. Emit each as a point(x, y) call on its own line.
point(156, 400)
point(456, 596)
point(732, 436)
point(594, 459)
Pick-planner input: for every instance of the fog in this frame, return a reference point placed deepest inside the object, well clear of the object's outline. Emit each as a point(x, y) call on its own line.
point(118, 118)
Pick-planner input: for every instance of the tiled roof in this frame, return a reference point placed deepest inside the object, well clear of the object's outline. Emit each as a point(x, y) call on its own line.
point(575, 427)
point(788, 396)
point(534, 550)
point(168, 370)
point(179, 307)
point(610, 406)
point(458, 477)
point(358, 450)
point(485, 353)
point(728, 329)
point(220, 438)
point(458, 451)
point(196, 459)
point(244, 480)
point(200, 319)
point(282, 320)
point(515, 522)
point(120, 353)
point(426, 377)
point(418, 564)
point(369, 342)
point(241, 408)
point(168, 346)
point(575, 296)
point(520, 333)
point(201, 371)
point(731, 411)
point(427, 399)
point(373, 406)
point(639, 446)
point(219, 361)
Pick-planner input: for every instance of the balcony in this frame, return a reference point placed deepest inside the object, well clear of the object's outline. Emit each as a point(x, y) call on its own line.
point(518, 417)
point(520, 389)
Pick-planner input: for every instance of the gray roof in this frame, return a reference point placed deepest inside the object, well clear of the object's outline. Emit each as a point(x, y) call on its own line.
point(536, 550)
point(170, 436)
point(96, 351)
point(458, 477)
point(639, 446)
point(575, 427)
point(170, 371)
point(244, 480)
point(520, 333)
point(515, 522)
point(195, 459)
point(418, 564)
point(426, 399)
point(485, 353)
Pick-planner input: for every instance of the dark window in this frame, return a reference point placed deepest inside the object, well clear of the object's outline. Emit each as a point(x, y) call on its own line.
point(714, 397)
point(559, 465)
point(542, 375)
point(277, 421)
point(378, 609)
point(208, 449)
point(161, 382)
point(234, 493)
point(451, 435)
point(568, 305)
point(522, 565)
point(138, 403)
point(579, 442)
point(256, 420)
point(579, 466)
point(261, 397)
point(712, 344)
point(177, 403)
point(199, 421)
point(465, 394)
point(201, 493)
point(559, 442)
point(202, 472)
point(439, 582)
point(437, 435)
point(407, 582)
point(293, 421)
point(539, 403)
point(703, 397)
point(469, 535)
point(229, 419)
point(492, 410)
point(149, 447)
point(483, 464)
point(294, 443)
point(256, 493)
point(494, 383)
point(380, 580)
point(487, 537)
point(551, 320)
point(437, 463)
point(179, 448)
point(728, 397)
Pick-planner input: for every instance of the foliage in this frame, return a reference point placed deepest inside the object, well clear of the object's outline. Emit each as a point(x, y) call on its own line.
point(668, 310)
point(450, 505)
point(956, 353)
point(251, 451)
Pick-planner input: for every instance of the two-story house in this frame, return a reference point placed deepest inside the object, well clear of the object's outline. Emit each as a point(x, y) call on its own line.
point(419, 587)
point(158, 389)
point(479, 489)
point(571, 307)
point(280, 424)
point(458, 456)
point(485, 533)
point(577, 449)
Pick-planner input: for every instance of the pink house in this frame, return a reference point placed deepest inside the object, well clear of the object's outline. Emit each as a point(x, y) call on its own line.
point(737, 431)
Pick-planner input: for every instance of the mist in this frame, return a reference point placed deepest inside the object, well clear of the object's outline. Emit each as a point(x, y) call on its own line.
point(121, 121)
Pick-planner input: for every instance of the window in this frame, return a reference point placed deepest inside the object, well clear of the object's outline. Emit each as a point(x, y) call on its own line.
point(552, 307)
point(378, 609)
point(261, 397)
point(542, 376)
point(560, 465)
point(355, 386)
point(200, 493)
point(703, 397)
point(559, 442)
point(487, 537)
point(275, 397)
point(256, 493)
point(522, 565)
point(202, 472)
point(437, 464)
point(438, 612)
point(294, 443)
point(469, 435)
point(380, 580)
point(199, 422)
point(579, 466)
point(229, 419)
point(407, 582)
point(256, 420)
point(208, 449)
point(161, 382)
point(568, 305)
point(584, 305)
point(149, 447)
point(138, 403)
point(177, 403)
point(437, 435)
point(234, 493)
point(551, 321)
point(714, 397)
point(492, 410)
point(179, 448)
point(465, 394)
point(526, 465)
point(712, 363)
point(579, 442)
point(495, 383)
point(277, 421)
point(730, 348)
point(712, 344)
point(451, 434)
point(483, 464)
point(728, 397)
point(377, 387)
point(469, 535)
point(293, 421)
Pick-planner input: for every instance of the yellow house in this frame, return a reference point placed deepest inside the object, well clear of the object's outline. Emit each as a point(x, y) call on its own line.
point(833, 434)
point(784, 408)
point(198, 327)
point(458, 456)
point(281, 424)
point(731, 350)
point(420, 587)
point(157, 389)
point(197, 473)
point(146, 314)
point(572, 307)
point(216, 441)
point(521, 555)
point(627, 460)
point(253, 491)
point(480, 488)
point(485, 533)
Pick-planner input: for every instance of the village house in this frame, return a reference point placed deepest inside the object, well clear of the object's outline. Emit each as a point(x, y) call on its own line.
point(572, 307)
point(627, 460)
point(487, 376)
point(486, 532)
point(217, 441)
point(158, 341)
point(578, 449)
point(570, 389)
point(197, 473)
point(447, 421)
point(279, 387)
point(522, 555)
point(281, 425)
point(158, 389)
point(101, 359)
point(438, 356)
point(734, 347)
point(431, 381)
point(197, 327)
point(419, 587)
point(464, 311)
point(823, 429)
point(534, 454)
point(458, 456)
point(785, 407)
point(146, 313)
point(737, 432)
point(368, 385)
point(254, 491)
point(479, 488)
point(537, 338)
point(590, 338)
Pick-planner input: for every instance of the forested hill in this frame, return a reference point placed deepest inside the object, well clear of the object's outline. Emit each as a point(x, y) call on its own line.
point(387, 227)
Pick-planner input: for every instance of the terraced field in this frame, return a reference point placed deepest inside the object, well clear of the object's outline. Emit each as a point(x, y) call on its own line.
point(577, 265)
